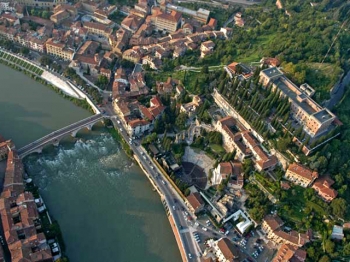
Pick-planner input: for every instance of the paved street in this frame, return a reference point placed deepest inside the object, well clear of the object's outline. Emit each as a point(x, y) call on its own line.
point(171, 196)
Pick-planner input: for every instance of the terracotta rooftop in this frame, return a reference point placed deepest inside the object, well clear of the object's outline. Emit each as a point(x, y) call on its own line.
point(226, 168)
point(195, 200)
point(274, 222)
point(137, 122)
point(323, 187)
point(302, 171)
point(227, 249)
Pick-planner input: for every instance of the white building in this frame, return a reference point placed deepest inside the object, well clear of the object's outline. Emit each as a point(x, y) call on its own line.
point(138, 126)
point(222, 171)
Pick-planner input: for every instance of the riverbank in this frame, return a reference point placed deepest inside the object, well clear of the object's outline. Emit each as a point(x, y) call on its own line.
point(117, 137)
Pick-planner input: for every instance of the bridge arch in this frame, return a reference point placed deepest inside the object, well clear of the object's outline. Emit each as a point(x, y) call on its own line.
point(88, 127)
point(55, 137)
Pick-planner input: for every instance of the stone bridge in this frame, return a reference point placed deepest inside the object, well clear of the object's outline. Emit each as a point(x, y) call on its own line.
point(55, 137)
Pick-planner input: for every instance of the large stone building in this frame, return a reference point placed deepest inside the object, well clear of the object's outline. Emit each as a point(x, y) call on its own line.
point(315, 119)
point(300, 175)
point(59, 49)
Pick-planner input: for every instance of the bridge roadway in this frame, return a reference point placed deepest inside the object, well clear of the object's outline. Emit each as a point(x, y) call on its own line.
point(55, 136)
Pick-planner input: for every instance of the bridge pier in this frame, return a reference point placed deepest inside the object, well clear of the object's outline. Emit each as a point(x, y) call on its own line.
point(74, 133)
point(38, 150)
point(56, 143)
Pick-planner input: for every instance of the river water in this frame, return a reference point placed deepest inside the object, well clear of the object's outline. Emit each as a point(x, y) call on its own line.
point(104, 204)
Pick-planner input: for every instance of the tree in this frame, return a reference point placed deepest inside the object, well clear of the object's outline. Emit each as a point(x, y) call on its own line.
point(24, 50)
point(329, 246)
point(180, 121)
point(346, 250)
point(45, 14)
point(102, 81)
point(339, 207)
point(325, 258)
point(45, 60)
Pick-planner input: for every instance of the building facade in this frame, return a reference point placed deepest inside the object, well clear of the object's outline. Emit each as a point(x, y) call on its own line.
point(314, 119)
point(300, 175)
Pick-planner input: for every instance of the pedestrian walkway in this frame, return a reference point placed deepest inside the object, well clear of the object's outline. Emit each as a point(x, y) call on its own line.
point(61, 84)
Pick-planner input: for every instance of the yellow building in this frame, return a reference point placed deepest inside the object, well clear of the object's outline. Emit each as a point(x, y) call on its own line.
point(300, 175)
point(98, 29)
point(58, 49)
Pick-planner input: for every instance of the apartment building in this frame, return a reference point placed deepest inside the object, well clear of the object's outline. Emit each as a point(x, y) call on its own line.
point(98, 29)
point(138, 126)
point(59, 49)
point(169, 22)
point(42, 3)
point(315, 119)
point(272, 226)
point(300, 175)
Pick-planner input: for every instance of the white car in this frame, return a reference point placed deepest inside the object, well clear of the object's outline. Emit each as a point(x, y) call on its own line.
point(204, 228)
point(189, 255)
point(196, 224)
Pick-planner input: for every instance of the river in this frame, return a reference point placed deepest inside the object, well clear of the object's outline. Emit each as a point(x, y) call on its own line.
point(103, 202)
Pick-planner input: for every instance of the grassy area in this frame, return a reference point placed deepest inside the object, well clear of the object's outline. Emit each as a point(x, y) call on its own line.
point(28, 66)
point(297, 206)
point(217, 148)
point(267, 182)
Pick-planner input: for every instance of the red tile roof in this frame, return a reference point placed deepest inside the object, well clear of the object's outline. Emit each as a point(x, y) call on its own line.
point(323, 187)
point(303, 171)
point(227, 249)
point(195, 200)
